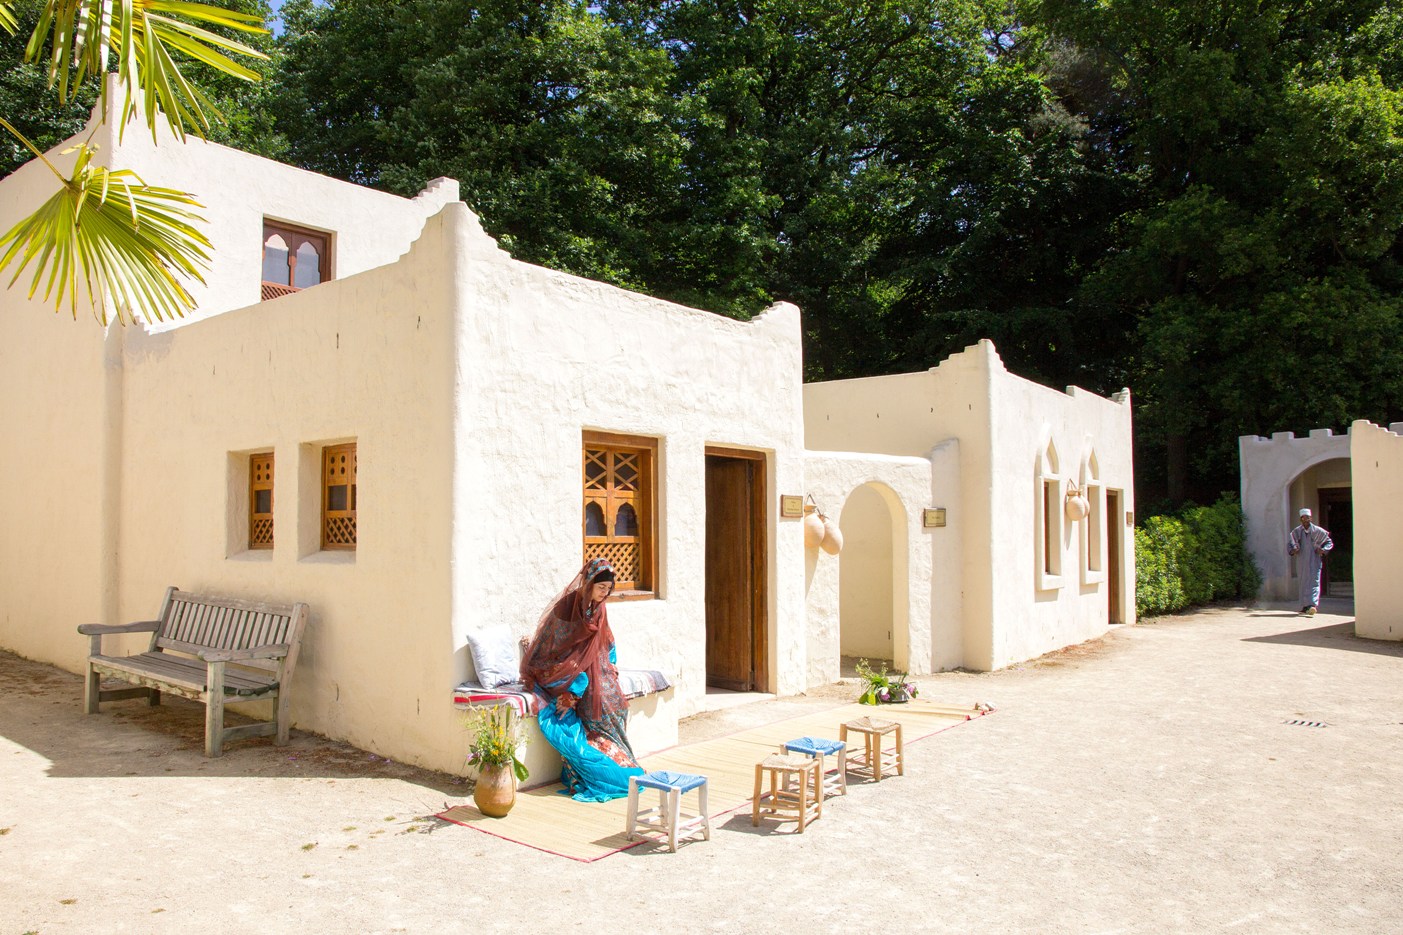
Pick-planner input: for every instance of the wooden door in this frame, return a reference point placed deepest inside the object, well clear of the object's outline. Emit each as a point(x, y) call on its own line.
point(1115, 524)
point(735, 571)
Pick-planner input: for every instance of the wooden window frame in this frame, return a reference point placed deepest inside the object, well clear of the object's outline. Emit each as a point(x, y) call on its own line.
point(294, 237)
point(330, 517)
point(643, 500)
point(261, 472)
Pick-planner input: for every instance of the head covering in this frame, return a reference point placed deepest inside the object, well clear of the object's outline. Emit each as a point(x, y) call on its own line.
point(1305, 511)
point(572, 636)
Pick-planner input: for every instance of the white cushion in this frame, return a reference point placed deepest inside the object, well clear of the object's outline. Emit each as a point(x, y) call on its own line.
point(494, 656)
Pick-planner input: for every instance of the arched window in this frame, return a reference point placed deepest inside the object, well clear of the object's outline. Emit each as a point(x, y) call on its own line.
point(1048, 522)
point(293, 259)
point(594, 520)
point(1094, 526)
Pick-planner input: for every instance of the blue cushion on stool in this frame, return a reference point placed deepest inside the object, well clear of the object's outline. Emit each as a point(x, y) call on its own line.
point(663, 780)
point(813, 746)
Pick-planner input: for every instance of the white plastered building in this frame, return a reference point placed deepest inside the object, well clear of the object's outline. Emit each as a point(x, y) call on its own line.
point(483, 405)
point(1351, 485)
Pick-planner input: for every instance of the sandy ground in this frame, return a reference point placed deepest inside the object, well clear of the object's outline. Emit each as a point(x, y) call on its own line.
point(1150, 781)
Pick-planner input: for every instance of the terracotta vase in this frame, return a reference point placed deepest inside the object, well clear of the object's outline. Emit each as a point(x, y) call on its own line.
point(813, 530)
point(495, 792)
point(832, 538)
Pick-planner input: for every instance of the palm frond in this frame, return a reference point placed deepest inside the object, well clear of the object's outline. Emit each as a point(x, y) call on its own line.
point(7, 18)
point(85, 36)
point(123, 238)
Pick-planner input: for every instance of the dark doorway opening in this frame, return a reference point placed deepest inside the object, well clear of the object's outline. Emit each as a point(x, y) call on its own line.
point(1337, 516)
point(1115, 521)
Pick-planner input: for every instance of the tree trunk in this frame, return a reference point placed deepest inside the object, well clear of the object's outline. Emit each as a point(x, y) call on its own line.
point(1177, 467)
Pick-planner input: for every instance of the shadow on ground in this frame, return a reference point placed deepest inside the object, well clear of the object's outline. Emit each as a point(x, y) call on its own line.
point(43, 712)
point(1331, 636)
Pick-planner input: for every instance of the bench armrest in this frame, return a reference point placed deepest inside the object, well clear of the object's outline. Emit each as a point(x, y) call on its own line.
point(98, 629)
point(271, 651)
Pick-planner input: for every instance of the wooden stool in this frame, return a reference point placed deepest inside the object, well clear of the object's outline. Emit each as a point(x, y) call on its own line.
point(875, 757)
point(796, 789)
point(835, 779)
point(666, 818)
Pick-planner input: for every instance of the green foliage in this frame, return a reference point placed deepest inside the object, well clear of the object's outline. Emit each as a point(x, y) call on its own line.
point(1257, 244)
point(128, 243)
point(25, 99)
point(1201, 201)
point(1193, 558)
point(495, 738)
point(884, 687)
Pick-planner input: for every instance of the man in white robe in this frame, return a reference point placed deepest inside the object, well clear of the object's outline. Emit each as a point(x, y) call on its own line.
point(1311, 543)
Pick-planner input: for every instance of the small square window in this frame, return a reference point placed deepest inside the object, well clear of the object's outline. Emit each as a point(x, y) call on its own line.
point(339, 497)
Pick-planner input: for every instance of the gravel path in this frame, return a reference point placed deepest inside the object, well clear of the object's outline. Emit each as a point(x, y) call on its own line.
point(1151, 781)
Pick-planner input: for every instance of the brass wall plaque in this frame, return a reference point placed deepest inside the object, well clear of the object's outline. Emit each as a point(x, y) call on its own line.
point(790, 506)
point(933, 518)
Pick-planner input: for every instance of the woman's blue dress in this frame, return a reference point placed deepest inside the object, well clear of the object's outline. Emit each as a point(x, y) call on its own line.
point(589, 774)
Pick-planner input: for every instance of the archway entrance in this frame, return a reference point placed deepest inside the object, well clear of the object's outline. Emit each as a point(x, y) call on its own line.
point(1325, 488)
point(873, 609)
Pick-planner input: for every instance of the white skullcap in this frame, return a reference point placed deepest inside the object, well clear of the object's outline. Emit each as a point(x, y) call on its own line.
point(1305, 511)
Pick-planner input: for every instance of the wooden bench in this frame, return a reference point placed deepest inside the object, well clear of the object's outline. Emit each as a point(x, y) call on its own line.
point(210, 649)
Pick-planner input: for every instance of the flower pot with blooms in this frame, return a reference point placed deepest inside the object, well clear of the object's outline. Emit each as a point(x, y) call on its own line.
point(496, 736)
point(884, 687)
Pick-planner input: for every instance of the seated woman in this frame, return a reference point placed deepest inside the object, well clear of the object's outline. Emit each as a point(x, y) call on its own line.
point(569, 663)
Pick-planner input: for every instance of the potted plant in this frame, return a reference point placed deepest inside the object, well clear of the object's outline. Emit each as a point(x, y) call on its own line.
point(496, 737)
point(884, 687)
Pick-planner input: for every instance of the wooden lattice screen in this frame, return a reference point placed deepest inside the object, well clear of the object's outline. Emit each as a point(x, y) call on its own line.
point(260, 501)
point(339, 497)
point(617, 483)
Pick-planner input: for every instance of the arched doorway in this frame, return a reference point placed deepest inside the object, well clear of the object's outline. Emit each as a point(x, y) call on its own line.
point(1325, 488)
point(873, 607)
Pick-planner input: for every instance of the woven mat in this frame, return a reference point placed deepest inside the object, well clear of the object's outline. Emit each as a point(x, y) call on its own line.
point(586, 831)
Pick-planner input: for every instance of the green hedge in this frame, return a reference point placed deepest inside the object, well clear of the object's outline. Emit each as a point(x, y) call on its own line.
point(1197, 556)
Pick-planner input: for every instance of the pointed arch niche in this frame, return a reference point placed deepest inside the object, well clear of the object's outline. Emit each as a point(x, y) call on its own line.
point(1048, 518)
point(1093, 528)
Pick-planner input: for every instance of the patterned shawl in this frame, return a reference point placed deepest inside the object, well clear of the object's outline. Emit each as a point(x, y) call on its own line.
point(573, 636)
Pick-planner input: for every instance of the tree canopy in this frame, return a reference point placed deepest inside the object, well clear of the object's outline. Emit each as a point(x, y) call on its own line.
point(1200, 200)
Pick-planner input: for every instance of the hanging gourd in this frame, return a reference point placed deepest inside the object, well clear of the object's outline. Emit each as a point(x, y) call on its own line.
point(832, 537)
point(813, 527)
point(1077, 505)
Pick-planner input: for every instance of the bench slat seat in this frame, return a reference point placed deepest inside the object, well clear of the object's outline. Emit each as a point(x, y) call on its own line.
point(208, 649)
point(183, 672)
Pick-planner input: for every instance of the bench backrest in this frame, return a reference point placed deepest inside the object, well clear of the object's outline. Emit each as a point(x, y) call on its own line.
point(191, 622)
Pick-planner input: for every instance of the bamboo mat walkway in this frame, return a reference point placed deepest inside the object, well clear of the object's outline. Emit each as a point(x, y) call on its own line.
point(586, 831)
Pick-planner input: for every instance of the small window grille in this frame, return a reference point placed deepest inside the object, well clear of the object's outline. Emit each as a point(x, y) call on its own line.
point(618, 481)
point(260, 501)
point(339, 497)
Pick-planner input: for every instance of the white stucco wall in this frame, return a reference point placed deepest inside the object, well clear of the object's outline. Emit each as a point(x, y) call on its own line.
point(1279, 475)
point(1035, 614)
point(984, 428)
point(238, 191)
point(366, 359)
point(58, 384)
point(900, 488)
point(466, 380)
point(544, 356)
point(1376, 460)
